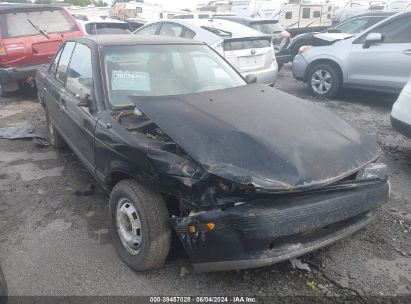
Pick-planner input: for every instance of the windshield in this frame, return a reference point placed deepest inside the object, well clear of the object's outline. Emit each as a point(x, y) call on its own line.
point(107, 28)
point(267, 28)
point(23, 23)
point(161, 70)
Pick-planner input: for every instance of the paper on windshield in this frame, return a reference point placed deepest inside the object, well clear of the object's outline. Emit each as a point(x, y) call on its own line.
point(130, 81)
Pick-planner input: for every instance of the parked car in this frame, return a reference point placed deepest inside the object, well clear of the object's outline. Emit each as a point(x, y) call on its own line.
point(245, 175)
point(103, 26)
point(135, 24)
point(248, 50)
point(280, 37)
point(377, 59)
point(3, 288)
point(353, 25)
point(30, 35)
point(401, 111)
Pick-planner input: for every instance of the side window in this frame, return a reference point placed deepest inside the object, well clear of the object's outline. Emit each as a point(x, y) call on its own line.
point(80, 76)
point(306, 13)
point(64, 61)
point(289, 15)
point(398, 31)
point(53, 67)
point(149, 30)
point(187, 33)
point(171, 29)
point(316, 14)
point(353, 26)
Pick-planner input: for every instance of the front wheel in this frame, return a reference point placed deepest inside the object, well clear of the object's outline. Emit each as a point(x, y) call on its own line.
point(139, 225)
point(324, 80)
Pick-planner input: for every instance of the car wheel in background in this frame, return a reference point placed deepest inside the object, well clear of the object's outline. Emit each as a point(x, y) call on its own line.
point(139, 225)
point(324, 80)
point(55, 139)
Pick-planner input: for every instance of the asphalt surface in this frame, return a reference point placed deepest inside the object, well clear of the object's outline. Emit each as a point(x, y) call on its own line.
point(53, 242)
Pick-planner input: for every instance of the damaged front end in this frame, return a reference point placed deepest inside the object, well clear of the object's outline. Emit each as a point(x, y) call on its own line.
point(274, 228)
point(241, 196)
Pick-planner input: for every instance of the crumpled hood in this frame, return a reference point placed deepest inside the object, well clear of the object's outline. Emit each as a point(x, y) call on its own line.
point(331, 37)
point(258, 135)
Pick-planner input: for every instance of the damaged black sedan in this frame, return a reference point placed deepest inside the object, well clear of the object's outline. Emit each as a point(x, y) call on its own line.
point(244, 174)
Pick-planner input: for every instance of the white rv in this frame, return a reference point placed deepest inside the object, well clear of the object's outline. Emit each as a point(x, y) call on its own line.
point(289, 15)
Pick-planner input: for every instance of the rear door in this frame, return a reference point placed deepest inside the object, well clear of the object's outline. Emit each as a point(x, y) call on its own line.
point(54, 87)
point(32, 36)
point(384, 65)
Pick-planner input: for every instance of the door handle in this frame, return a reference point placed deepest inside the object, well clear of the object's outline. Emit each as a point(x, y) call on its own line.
point(407, 52)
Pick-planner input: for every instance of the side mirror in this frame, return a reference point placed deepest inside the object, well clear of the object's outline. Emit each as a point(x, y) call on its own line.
point(373, 38)
point(84, 101)
point(251, 78)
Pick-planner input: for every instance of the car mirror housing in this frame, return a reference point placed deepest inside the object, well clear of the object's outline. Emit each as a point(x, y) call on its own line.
point(373, 38)
point(84, 101)
point(251, 78)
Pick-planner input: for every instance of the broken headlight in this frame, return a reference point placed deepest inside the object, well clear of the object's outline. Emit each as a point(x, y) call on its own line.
point(373, 171)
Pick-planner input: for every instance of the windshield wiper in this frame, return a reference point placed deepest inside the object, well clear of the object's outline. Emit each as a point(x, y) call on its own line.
point(40, 30)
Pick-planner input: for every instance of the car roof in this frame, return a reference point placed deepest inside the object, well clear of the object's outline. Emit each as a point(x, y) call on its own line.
point(246, 19)
point(372, 13)
point(5, 8)
point(129, 40)
point(99, 19)
point(238, 30)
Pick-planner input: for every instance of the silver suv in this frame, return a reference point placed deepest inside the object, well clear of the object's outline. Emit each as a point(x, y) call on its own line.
point(377, 59)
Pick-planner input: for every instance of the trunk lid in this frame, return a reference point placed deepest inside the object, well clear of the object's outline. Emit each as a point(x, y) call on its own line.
point(261, 136)
point(248, 54)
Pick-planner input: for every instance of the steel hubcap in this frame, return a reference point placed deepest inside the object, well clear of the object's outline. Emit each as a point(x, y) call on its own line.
point(129, 226)
point(321, 81)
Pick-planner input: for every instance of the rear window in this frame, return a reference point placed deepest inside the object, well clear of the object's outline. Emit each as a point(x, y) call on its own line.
point(267, 27)
point(107, 28)
point(18, 24)
point(234, 45)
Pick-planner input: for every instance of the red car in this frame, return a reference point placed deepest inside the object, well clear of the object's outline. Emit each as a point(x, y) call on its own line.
point(30, 35)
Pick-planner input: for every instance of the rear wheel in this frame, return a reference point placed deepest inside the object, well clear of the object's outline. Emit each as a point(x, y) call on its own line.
point(139, 225)
point(55, 139)
point(324, 80)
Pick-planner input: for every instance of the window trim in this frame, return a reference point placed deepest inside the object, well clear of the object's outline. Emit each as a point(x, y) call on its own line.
point(56, 59)
point(68, 68)
point(65, 80)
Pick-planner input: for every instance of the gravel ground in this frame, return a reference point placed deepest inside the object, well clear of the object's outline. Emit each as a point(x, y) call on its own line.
point(55, 243)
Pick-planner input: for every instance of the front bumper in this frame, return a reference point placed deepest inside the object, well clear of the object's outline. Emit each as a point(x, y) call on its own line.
point(265, 232)
point(299, 67)
point(18, 73)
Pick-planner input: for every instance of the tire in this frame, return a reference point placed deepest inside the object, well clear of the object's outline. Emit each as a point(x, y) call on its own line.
point(55, 139)
point(139, 225)
point(324, 80)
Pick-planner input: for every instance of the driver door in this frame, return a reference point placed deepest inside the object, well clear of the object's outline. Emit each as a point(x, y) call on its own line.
point(386, 64)
point(79, 92)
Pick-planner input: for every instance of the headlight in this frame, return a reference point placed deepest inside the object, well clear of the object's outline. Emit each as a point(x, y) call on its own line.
point(304, 48)
point(373, 171)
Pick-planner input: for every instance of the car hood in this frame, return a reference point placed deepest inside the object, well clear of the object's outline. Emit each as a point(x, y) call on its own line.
point(332, 37)
point(261, 136)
